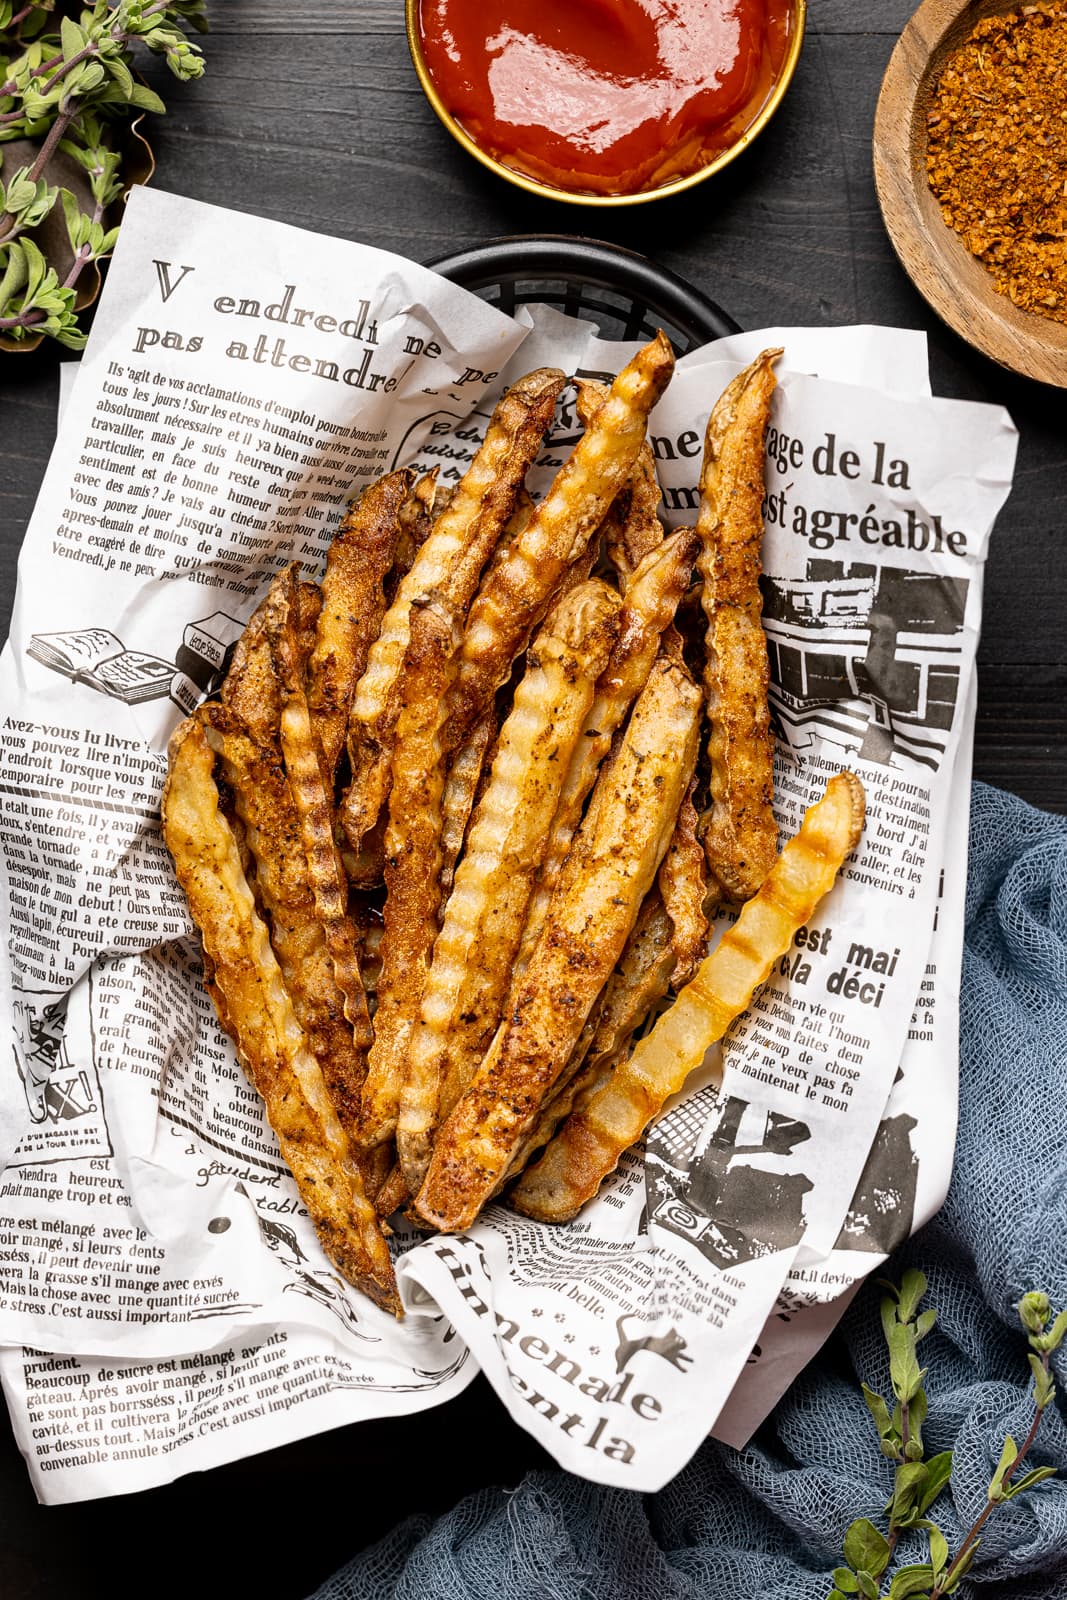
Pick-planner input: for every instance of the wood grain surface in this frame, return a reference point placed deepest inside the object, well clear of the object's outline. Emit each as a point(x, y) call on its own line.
point(955, 283)
point(310, 113)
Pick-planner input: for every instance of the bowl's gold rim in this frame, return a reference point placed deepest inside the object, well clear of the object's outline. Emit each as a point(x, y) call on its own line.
point(568, 197)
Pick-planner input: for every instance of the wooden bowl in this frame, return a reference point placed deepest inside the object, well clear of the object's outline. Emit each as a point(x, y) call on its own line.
point(934, 256)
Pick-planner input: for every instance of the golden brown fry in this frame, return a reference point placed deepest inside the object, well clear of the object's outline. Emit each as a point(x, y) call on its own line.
point(739, 833)
point(394, 1192)
point(353, 604)
point(639, 982)
point(257, 1008)
point(610, 869)
point(634, 528)
point(683, 885)
point(654, 593)
point(312, 802)
point(416, 520)
point(264, 805)
point(589, 1145)
point(250, 689)
point(517, 593)
point(483, 919)
point(461, 789)
point(450, 561)
point(412, 862)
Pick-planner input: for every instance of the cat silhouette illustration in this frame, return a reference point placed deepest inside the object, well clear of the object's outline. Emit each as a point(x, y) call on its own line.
point(671, 1346)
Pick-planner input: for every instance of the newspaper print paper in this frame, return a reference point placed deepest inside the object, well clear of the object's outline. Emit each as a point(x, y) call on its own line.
point(164, 1305)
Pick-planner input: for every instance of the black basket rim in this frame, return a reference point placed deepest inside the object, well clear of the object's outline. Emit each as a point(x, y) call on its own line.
point(590, 263)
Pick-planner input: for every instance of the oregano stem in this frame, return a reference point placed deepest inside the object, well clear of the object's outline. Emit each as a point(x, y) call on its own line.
point(44, 155)
point(980, 1521)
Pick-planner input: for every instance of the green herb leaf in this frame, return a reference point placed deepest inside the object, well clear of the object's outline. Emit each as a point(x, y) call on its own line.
point(867, 1586)
point(879, 1411)
point(1027, 1481)
point(1034, 1311)
point(845, 1580)
point(966, 1561)
point(866, 1550)
point(1008, 1457)
point(912, 1289)
point(911, 1581)
point(938, 1473)
point(938, 1551)
point(1044, 1387)
point(924, 1322)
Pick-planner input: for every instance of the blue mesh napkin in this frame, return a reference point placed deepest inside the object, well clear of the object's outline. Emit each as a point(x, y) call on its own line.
point(768, 1521)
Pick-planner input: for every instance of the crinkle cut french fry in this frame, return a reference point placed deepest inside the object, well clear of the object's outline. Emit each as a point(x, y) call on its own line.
point(452, 557)
point(738, 831)
point(639, 982)
point(592, 1140)
point(416, 520)
point(683, 885)
point(260, 1016)
point(610, 869)
point(483, 918)
point(312, 800)
point(634, 529)
point(516, 594)
point(650, 603)
point(412, 863)
point(461, 789)
point(353, 604)
point(265, 806)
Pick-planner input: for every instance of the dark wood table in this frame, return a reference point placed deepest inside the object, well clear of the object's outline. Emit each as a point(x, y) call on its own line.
point(310, 113)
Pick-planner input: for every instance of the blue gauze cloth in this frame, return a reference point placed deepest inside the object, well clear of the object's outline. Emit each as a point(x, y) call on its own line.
point(768, 1521)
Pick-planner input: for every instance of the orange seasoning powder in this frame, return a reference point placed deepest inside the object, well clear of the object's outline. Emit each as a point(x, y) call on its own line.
point(605, 96)
point(997, 152)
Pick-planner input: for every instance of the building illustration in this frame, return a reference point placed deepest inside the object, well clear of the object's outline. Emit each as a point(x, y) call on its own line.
point(867, 658)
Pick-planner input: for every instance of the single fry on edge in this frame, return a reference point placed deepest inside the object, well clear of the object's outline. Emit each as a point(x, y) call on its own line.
point(471, 967)
point(590, 1143)
point(516, 593)
point(683, 885)
point(739, 832)
point(458, 545)
point(610, 869)
point(258, 1015)
point(353, 604)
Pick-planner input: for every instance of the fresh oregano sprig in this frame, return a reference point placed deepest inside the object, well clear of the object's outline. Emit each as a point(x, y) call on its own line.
point(917, 1482)
point(64, 88)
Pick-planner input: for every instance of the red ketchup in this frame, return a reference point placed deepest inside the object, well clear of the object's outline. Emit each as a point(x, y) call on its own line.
point(605, 96)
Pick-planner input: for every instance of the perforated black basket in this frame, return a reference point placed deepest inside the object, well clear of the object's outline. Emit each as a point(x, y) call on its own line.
point(625, 294)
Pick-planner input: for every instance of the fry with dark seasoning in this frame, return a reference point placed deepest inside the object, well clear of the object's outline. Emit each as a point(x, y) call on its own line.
point(738, 830)
point(257, 1012)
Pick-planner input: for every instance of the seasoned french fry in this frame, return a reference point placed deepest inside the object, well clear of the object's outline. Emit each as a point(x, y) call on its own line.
point(452, 557)
point(590, 1143)
point(353, 604)
point(250, 689)
point(739, 833)
point(654, 593)
point(258, 1012)
point(483, 919)
point(635, 529)
point(412, 862)
point(639, 982)
point(461, 789)
point(416, 520)
point(312, 802)
point(684, 889)
point(610, 869)
point(517, 593)
point(265, 806)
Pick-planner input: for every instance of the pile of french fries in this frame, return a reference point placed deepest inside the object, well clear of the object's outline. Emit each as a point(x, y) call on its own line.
point(457, 820)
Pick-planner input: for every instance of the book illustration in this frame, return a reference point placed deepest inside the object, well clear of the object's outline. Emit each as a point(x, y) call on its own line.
point(97, 658)
point(866, 658)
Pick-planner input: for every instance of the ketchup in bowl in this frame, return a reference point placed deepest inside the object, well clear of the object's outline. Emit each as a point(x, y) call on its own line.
point(605, 97)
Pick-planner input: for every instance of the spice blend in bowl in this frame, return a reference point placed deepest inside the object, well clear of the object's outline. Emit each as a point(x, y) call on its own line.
point(997, 152)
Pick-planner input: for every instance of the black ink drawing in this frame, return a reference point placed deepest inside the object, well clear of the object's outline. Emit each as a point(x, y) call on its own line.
point(38, 1046)
point(728, 1182)
point(879, 1217)
point(867, 658)
point(98, 658)
point(670, 1346)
